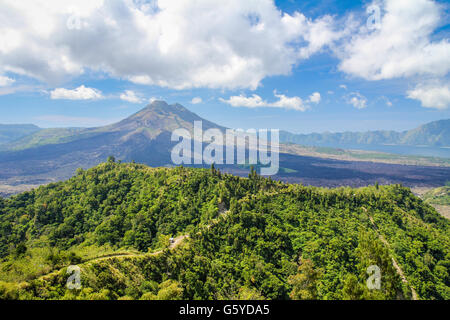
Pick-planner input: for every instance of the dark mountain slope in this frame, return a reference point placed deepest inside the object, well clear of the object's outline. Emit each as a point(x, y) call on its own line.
point(56, 153)
point(158, 117)
point(145, 137)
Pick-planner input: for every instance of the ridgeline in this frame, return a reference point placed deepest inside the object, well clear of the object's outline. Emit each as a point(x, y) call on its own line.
point(277, 240)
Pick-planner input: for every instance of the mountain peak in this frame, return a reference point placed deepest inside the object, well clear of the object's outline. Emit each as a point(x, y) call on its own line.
point(157, 104)
point(160, 108)
point(164, 107)
point(159, 116)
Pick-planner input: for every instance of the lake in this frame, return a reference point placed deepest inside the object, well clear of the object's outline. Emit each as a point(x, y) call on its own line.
point(396, 149)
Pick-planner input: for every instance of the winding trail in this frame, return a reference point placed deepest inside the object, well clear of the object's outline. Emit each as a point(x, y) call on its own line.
point(223, 212)
point(176, 242)
point(394, 262)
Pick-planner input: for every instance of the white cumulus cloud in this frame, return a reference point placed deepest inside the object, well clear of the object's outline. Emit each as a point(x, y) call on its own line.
point(5, 81)
point(315, 97)
point(357, 100)
point(171, 43)
point(196, 100)
point(80, 93)
point(432, 95)
point(402, 46)
point(285, 102)
point(130, 96)
point(152, 99)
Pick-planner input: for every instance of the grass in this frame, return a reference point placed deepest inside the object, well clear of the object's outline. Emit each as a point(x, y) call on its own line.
point(440, 196)
point(37, 261)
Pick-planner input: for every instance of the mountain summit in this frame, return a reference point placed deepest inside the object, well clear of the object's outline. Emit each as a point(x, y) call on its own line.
point(54, 154)
point(158, 117)
point(144, 137)
point(155, 119)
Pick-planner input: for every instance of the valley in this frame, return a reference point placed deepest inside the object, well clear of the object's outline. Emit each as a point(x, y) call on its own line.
point(245, 158)
point(115, 221)
point(51, 155)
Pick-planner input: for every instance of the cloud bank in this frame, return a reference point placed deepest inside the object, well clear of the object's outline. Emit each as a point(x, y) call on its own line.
point(170, 43)
point(432, 95)
point(402, 45)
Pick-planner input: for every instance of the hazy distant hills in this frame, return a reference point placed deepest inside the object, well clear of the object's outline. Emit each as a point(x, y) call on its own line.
point(147, 124)
point(48, 155)
point(435, 133)
point(143, 137)
point(11, 132)
point(159, 117)
point(42, 137)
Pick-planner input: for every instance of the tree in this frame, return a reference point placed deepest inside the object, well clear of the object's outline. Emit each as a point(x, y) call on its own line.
point(252, 174)
point(170, 290)
point(305, 282)
point(352, 289)
point(21, 249)
point(246, 293)
point(111, 159)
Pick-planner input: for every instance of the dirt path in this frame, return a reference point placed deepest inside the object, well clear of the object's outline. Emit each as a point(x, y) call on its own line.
point(176, 242)
point(223, 212)
point(394, 262)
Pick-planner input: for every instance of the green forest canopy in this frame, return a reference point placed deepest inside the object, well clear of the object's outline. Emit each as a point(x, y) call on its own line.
point(276, 240)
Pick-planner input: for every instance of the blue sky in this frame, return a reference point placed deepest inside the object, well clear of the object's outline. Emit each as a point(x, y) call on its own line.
point(99, 67)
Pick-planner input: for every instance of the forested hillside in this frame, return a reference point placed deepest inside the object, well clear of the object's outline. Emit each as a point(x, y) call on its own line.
point(440, 196)
point(247, 238)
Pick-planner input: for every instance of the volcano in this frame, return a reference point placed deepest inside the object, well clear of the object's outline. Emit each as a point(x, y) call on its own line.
point(54, 154)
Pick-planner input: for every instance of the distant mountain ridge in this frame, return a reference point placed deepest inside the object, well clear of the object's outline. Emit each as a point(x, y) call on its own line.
point(153, 120)
point(144, 137)
point(436, 133)
point(11, 132)
point(50, 155)
point(160, 117)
